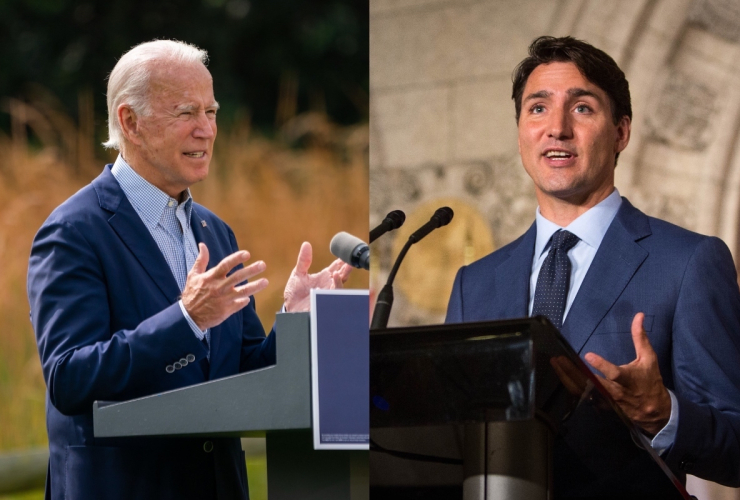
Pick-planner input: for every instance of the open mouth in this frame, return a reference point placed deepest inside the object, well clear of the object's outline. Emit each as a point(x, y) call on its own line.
point(558, 155)
point(197, 154)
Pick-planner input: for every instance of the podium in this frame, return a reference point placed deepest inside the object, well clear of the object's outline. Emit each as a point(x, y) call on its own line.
point(500, 410)
point(274, 402)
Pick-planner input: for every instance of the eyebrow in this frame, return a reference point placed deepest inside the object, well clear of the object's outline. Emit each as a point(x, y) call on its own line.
point(193, 107)
point(541, 94)
point(579, 92)
point(573, 92)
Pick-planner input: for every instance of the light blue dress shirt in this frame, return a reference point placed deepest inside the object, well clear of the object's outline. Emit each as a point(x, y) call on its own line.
point(168, 221)
point(590, 227)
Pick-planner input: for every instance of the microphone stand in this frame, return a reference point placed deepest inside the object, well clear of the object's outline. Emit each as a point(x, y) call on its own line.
point(385, 298)
point(383, 305)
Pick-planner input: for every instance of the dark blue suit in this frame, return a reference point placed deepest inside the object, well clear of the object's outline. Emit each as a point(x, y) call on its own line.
point(104, 309)
point(685, 283)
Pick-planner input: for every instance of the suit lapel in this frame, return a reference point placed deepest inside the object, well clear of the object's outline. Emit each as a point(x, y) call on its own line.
point(134, 234)
point(512, 277)
point(615, 263)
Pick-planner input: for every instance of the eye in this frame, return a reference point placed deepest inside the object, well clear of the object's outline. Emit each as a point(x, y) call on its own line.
point(537, 109)
point(211, 112)
point(583, 108)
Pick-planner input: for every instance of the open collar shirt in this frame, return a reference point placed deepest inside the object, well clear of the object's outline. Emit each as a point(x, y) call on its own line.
point(168, 221)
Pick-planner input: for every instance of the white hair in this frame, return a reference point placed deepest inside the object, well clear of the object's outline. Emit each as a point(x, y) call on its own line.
point(128, 83)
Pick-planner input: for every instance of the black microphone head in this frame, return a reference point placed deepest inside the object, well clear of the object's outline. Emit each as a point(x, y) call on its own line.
point(396, 218)
point(443, 216)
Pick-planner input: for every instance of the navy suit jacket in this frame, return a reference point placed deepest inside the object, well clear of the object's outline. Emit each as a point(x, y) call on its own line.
point(686, 285)
point(104, 309)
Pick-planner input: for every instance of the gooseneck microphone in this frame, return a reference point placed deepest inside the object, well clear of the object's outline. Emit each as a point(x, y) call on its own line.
point(351, 250)
point(383, 305)
point(393, 220)
point(441, 217)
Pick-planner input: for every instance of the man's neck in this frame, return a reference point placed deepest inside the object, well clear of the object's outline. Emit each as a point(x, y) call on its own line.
point(132, 161)
point(563, 211)
point(180, 197)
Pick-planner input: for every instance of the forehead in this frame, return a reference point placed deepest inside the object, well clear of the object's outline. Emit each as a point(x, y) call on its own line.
point(181, 82)
point(557, 77)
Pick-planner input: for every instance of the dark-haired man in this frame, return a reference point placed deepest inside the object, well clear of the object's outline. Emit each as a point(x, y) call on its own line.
point(660, 303)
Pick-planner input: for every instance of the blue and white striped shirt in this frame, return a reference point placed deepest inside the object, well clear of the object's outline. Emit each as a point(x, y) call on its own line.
point(168, 221)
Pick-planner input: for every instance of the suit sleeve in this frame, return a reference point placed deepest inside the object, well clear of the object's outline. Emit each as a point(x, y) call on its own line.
point(455, 305)
point(81, 358)
point(706, 367)
point(256, 350)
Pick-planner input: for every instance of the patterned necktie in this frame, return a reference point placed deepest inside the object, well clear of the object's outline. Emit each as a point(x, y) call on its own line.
point(553, 281)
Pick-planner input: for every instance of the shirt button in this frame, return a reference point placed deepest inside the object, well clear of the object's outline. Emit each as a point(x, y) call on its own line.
point(208, 446)
point(171, 203)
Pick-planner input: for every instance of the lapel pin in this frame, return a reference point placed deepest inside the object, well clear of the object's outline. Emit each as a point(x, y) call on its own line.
point(203, 223)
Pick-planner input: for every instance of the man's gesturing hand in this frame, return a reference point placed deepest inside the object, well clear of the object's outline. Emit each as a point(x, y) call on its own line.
point(637, 387)
point(211, 296)
point(298, 288)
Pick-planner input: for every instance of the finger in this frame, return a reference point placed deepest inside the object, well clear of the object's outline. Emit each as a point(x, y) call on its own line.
point(615, 390)
point(252, 287)
point(230, 262)
point(243, 274)
point(336, 279)
point(610, 371)
point(305, 256)
point(335, 266)
point(201, 261)
point(640, 338)
point(344, 272)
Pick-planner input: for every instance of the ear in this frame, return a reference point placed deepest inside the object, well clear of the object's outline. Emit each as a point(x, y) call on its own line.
point(624, 127)
point(130, 124)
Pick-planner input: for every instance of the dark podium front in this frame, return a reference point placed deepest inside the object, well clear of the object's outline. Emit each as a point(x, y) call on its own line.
point(274, 402)
point(500, 410)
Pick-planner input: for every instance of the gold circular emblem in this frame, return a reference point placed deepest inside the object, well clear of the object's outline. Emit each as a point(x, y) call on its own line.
point(428, 271)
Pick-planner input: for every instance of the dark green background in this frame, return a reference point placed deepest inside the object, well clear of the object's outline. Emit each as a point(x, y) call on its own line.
point(65, 46)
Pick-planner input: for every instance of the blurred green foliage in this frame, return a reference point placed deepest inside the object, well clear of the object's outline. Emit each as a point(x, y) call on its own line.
point(313, 53)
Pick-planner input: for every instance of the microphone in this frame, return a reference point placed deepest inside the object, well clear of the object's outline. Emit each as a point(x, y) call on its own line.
point(442, 217)
point(351, 250)
point(393, 220)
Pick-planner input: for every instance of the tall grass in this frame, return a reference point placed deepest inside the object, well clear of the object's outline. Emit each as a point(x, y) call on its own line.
point(273, 193)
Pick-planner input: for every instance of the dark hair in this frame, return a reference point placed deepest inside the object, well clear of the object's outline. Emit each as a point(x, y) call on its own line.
point(594, 64)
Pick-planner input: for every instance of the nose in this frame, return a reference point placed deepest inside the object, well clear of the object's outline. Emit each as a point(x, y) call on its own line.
point(561, 126)
point(205, 126)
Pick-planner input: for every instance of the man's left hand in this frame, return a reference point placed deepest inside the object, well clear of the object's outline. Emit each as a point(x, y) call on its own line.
point(638, 386)
point(298, 289)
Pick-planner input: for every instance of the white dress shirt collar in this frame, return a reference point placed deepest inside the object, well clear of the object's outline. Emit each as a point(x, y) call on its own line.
point(590, 227)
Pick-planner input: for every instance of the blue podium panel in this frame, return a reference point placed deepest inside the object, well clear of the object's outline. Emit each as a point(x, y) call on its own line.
point(340, 369)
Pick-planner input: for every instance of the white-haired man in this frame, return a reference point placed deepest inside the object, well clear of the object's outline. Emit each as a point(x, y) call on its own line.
point(135, 289)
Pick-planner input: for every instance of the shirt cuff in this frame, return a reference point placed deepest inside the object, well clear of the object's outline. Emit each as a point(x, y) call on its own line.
point(667, 435)
point(197, 331)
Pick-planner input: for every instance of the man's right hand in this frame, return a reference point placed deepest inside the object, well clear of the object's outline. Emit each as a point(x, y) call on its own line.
point(211, 296)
